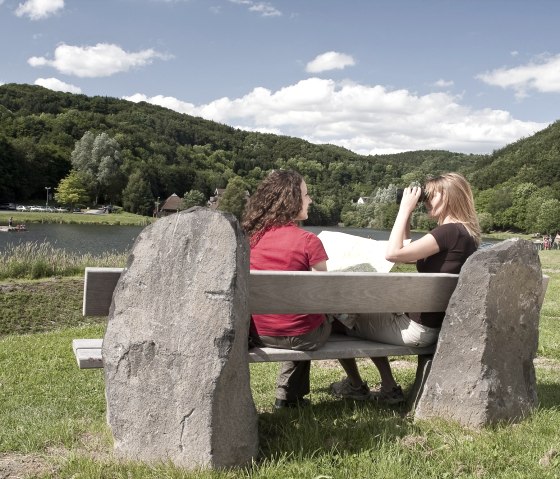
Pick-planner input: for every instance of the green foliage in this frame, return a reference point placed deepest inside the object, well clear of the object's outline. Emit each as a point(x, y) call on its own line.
point(548, 219)
point(98, 158)
point(193, 198)
point(137, 196)
point(234, 197)
point(110, 139)
point(71, 190)
point(486, 222)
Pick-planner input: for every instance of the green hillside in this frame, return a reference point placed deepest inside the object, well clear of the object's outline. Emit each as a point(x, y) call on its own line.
point(160, 152)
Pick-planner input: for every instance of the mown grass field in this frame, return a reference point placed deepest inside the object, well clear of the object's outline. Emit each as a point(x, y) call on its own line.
point(52, 414)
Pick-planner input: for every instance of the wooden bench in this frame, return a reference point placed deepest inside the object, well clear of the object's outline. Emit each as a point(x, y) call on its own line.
point(302, 292)
point(309, 292)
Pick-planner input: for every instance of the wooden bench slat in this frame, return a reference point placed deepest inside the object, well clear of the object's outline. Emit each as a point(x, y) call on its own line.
point(339, 292)
point(306, 292)
point(88, 351)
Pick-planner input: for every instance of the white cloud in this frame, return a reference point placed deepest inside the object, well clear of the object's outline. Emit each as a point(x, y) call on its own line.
point(514, 53)
point(165, 101)
point(541, 75)
point(441, 83)
point(265, 9)
point(38, 9)
point(329, 61)
point(363, 118)
point(57, 85)
point(100, 60)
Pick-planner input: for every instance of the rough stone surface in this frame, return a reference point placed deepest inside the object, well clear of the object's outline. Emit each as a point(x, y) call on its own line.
point(483, 372)
point(175, 350)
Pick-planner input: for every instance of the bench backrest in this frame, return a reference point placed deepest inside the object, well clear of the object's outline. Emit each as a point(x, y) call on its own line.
point(311, 292)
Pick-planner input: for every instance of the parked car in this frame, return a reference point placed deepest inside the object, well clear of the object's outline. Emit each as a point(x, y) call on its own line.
point(22, 208)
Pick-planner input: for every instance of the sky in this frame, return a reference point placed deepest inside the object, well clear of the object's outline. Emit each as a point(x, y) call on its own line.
point(373, 76)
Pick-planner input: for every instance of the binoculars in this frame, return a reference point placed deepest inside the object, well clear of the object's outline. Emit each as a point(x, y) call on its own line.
point(423, 196)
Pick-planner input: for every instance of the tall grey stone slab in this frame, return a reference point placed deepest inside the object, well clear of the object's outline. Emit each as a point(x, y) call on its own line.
point(482, 372)
point(175, 349)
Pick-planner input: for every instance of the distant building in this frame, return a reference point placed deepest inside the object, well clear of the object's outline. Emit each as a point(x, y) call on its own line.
point(215, 200)
point(170, 205)
point(362, 200)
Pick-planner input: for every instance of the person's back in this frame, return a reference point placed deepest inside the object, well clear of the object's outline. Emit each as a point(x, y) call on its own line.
point(277, 243)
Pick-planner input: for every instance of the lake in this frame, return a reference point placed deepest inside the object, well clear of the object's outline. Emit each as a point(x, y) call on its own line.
point(97, 239)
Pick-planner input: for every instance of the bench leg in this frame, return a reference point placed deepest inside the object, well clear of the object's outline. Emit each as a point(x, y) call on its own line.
point(422, 371)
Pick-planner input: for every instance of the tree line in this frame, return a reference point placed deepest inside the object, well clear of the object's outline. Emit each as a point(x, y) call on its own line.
point(94, 150)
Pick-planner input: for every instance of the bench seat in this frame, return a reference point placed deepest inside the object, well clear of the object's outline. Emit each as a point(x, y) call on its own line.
point(339, 346)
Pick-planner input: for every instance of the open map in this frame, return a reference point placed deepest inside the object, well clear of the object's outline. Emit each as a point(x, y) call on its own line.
point(354, 253)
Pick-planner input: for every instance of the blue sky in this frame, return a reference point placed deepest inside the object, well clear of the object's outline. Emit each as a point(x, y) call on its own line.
point(374, 76)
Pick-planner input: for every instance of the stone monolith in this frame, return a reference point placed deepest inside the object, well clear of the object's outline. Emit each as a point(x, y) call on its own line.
point(175, 350)
point(482, 372)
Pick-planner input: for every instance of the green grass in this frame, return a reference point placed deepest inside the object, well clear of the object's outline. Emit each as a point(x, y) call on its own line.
point(52, 410)
point(122, 218)
point(42, 260)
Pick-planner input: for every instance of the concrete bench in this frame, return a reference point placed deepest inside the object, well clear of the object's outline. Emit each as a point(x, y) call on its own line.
point(302, 292)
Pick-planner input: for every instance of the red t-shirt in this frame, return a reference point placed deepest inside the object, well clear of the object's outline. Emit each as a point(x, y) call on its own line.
point(286, 248)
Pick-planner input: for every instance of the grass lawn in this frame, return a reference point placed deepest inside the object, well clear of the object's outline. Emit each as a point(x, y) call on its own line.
point(52, 414)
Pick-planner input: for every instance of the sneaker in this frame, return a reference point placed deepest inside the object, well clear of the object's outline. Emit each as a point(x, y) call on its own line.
point(344, 390)
point(394, 396)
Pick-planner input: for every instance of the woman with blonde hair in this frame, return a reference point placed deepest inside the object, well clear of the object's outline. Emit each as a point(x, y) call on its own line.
point(448, 199)
point(270, 221)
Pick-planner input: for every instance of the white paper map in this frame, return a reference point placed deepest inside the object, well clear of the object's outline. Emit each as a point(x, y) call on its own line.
point(346, 251)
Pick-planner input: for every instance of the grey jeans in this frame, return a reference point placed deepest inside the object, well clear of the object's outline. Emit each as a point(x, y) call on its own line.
point(293, 380)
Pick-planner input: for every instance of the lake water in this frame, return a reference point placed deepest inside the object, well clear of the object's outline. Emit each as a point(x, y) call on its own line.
point(97, 239)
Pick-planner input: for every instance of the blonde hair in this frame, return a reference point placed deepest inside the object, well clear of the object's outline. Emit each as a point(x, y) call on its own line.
point(457, 200)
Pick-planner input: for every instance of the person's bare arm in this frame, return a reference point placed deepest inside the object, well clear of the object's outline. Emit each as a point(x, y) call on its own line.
point(397, 252)
point(320, 266)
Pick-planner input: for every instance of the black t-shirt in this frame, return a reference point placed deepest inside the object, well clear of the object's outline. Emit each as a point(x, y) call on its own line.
point(455, 246)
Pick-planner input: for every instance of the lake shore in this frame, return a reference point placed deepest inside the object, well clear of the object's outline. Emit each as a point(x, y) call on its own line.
point(123, 219)
point(130, 219)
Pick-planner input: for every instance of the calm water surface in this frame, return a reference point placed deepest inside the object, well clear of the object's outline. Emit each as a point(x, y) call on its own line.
point(97, 239)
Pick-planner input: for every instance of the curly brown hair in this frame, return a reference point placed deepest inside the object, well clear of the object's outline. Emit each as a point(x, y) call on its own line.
point(276, 202)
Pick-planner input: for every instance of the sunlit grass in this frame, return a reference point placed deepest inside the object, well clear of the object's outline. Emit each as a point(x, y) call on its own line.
point(122, 218)
point(35, 260)
point(53, 410)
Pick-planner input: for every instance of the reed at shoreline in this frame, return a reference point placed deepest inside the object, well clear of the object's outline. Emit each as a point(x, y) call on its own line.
point(43, 260)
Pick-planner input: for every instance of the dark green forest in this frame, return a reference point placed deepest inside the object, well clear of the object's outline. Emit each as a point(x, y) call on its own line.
point(130, 154)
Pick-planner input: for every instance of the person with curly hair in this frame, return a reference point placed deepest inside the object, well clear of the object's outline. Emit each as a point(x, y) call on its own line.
point(448, 199)
point(277, 242)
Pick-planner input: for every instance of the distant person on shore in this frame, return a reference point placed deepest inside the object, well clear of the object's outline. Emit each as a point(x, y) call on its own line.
point(11, 222)
point(277, 242)
point(557, 240)
point(449, 200)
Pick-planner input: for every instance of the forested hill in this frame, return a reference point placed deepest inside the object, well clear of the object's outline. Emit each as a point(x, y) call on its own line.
point(163, 152)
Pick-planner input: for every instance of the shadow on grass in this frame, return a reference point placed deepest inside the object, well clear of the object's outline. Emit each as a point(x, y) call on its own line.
point(549, 395)
point(341, 427)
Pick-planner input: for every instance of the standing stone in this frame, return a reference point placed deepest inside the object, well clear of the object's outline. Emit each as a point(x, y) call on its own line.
point(482, 372)
point(175, 350)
